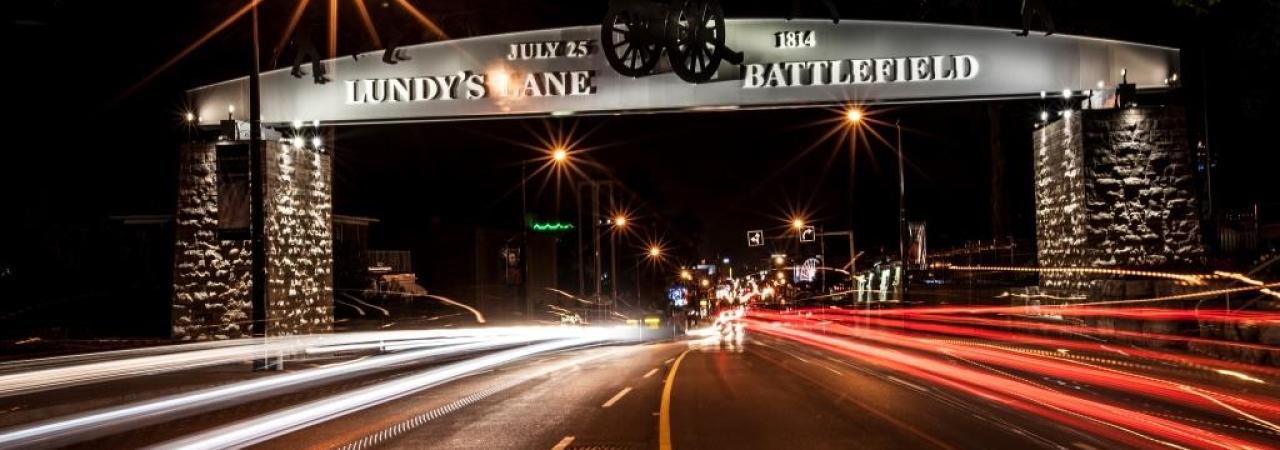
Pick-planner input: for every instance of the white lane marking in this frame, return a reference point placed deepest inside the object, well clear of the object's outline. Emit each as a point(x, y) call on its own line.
point(564, 443)
point(650, 373)
point(668, 362)
point(837, 372)
point(343, 363)
point(616, 397)
point(799, 358)
point(906, 383)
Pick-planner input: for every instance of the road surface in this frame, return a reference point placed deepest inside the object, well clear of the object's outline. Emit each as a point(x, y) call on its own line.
point(753, 391)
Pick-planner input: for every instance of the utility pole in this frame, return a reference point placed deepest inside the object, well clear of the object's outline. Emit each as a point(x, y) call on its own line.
point(613, 253)
point(582, 262)
point(902, 215)
point(822, 252)
point(257, 208)
point(595, 248)
point(524, 241)
point(638, 305)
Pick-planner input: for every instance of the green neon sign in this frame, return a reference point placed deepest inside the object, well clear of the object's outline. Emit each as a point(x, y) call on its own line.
point(551, 227)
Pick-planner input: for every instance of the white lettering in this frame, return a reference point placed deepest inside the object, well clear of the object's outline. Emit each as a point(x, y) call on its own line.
point(476, 87)
point(351, 93)
point(554, 83)
point(938, 73)
point(548, 50)
point(884, 70)
point(966, 67)
point(580, 82)
point(837, 73)
point(531, 88)
point(752, 76)
point(399, 89)
point(447, 84)
point(920, 70)
point(775, 77)
point(817, 69)
point(376, 90)
point(861, 71)
point(795, 71)
point(433, 88)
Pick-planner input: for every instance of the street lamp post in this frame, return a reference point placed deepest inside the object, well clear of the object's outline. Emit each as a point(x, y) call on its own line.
point(653, 254)
point(619, 223)
point(854, 116)
point(558, 155)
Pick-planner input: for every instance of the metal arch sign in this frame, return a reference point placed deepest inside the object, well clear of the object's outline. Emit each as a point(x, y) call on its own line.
point(562, 71)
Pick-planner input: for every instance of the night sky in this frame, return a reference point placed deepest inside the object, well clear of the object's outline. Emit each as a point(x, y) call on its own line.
point(87, 138)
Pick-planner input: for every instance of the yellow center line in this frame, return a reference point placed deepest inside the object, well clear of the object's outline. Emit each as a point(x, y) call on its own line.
point(664, 420)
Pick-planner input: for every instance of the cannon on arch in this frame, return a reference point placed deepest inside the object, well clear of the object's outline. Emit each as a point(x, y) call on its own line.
point(636, 33)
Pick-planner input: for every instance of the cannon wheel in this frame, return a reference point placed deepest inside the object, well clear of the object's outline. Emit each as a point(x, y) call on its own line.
point(697, 39)
point(628, 42)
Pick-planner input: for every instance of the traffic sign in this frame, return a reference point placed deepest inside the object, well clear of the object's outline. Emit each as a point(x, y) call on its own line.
point(808, 234)
point(755, 238)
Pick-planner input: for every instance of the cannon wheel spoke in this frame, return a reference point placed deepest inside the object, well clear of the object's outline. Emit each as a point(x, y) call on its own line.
point(698, 34)
point(624, 41)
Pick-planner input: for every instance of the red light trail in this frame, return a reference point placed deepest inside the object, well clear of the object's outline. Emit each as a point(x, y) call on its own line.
point(998, 371)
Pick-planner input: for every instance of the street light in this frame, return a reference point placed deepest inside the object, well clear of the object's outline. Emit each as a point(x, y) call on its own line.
point(655, 252)
point(620, 221)
point(854, 116)
point(559, 155)
point(797, 223)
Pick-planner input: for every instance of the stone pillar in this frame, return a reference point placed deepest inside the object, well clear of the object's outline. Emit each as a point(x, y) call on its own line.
point(1115, 188)
point(211, 272)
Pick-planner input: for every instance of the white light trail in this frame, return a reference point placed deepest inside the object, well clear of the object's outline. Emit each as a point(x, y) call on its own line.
point(105, 421)
point(259, 429)
point(79, 370)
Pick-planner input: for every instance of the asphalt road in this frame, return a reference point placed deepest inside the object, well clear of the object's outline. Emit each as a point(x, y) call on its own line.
point(759, 392)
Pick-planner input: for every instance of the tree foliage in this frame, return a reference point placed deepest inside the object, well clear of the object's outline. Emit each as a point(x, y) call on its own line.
point(1199, 6)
